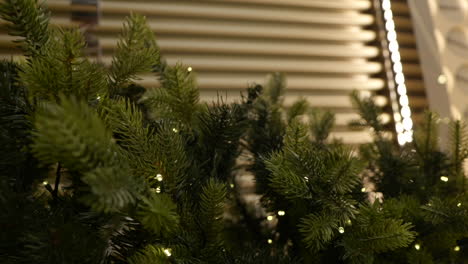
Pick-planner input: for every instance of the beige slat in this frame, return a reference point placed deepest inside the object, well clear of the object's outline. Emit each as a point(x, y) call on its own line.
point(322, 4)
point(336, 4)
point(303, 82)
point(235, 64)
point(260, 48)
point(209, 11)
point(240, 30)
point(353, 137)
point(325, 101)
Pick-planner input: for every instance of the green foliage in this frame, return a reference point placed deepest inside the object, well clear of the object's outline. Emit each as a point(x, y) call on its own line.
point(72, 133)
point(136, 52)
point(150, 254)
point(63, 56)
point(298, 108)
point(318, 230)
point(321, 124)
point(28, 20)
point(141, 176)
point(430, 192)
point(158, 214)
point(178, 97)
point(372, 232)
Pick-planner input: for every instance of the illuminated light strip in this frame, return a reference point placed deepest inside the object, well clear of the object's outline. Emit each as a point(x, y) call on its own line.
point(402, 111)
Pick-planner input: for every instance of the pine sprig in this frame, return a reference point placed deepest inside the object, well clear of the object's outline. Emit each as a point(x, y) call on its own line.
point(29, 20)
point(372, 233)
point(318, 230)
point(136, 53)
point(178, 97)
point(211, 210)
point(73, 134)
point(158, 214)
point(150, 254)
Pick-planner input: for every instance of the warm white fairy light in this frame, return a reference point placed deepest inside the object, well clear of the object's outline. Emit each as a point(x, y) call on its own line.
point(167, 251)
point(158, 189)
point(159, 177)
point(270, 218)
point(341, 229)
point(457, 248)
point(175, 130)
point(444, 178)
point(45, 182)
point(281, 213)
point(363, 189)
point(417, 246)
point(403, 122)
point(459, 204)
point(189, 69)
point(270, 241)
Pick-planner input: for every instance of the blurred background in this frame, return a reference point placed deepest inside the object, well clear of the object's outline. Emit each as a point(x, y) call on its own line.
point(411, 54)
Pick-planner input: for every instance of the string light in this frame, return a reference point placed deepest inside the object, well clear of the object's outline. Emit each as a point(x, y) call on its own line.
point(444, 178)
point(363, 189)
point(457, 248)
point(348, 221)
point(341, 229)
point(167, 251)
point(459, 204)
point(189, 69)
point(98, 98)
point(270, 241)
point(158, 189)
point(306, 178)
point(281, 213)
point(404, 128)
point(417, 246)
point(159, 177)
point(45, 183)
point(175, 130)
point(442, 79)
point(270, 218)
point(231, 185)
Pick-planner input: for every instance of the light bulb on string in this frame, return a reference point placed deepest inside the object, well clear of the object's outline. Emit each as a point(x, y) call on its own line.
point(270, 218)
point(459, 204)
point(444, 178)
point(167, 252)
point(456, 249)
point(341, 229)
point(159, 177)
point(417, 246)
point(281, 212)
point(45, 183)
point(270, 241)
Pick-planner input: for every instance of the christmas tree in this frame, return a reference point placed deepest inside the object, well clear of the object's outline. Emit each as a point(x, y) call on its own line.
point(97, 169)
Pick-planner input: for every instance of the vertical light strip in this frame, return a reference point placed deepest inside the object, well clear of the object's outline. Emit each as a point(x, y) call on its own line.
point(400, 103)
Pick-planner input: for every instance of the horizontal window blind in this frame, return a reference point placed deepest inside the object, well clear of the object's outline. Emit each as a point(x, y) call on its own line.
point(325, 48)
